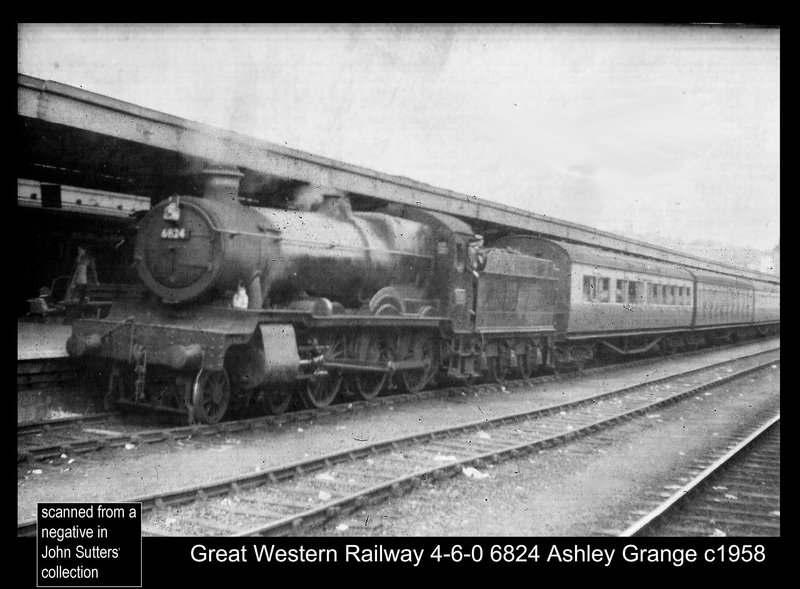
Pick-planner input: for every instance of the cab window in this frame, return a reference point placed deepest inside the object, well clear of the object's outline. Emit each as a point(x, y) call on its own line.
point(461, 255)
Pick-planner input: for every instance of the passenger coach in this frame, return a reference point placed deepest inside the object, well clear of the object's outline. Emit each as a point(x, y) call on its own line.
point(624, 304)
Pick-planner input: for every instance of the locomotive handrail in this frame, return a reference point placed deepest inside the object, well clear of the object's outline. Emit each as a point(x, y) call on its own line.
point(278, 237)
point(354, 247)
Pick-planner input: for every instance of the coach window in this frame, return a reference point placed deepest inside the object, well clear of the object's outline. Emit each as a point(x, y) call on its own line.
point(604, 290)
point(688, 295)
point(589, 283)
point(672, 299)
point(681, 301)
point(634, 292)
point(654, 294)
point(622, 289)
point(664, 295)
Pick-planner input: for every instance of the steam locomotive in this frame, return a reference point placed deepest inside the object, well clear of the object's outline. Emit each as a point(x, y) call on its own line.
point(252, 307)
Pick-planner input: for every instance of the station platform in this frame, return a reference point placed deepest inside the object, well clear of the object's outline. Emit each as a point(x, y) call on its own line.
point(38, 341)
point(46, 377)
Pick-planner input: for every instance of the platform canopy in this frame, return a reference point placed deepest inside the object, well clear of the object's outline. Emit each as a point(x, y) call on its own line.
point(73, 137)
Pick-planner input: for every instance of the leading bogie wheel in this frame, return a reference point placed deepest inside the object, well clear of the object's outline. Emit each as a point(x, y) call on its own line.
point(212, 393)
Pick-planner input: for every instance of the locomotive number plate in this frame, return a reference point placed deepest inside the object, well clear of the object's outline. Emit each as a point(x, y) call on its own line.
point(173, 233)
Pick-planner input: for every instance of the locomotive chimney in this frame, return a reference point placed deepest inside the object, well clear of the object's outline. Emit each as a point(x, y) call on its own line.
point(222, 184)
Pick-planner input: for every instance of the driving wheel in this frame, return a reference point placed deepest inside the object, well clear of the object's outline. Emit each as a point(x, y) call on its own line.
point(212, 393)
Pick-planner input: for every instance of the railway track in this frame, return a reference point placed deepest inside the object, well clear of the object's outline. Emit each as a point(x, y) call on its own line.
point(33, 428)
point(280, 500)
point(46, 440)
point(738, 494)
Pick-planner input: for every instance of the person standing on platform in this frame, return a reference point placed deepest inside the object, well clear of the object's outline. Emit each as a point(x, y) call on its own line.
point(84, 274)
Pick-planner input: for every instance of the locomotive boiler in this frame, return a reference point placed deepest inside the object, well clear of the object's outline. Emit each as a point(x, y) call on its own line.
point(191, 249)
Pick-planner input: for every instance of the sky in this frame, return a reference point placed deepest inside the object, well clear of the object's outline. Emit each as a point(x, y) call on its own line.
point(664, 132)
